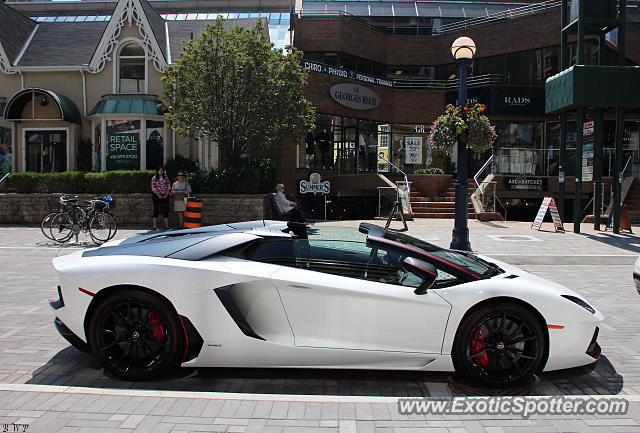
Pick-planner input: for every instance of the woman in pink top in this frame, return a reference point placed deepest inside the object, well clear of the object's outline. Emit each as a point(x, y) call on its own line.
point(160, 188)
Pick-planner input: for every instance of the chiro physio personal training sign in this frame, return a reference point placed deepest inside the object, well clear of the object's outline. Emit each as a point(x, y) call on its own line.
point(354, 96)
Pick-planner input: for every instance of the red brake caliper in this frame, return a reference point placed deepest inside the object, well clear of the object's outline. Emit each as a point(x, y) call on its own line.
point(477, 346)
point(158, 333)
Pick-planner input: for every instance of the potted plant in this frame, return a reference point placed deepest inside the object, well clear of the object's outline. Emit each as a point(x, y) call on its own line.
point(469, 122)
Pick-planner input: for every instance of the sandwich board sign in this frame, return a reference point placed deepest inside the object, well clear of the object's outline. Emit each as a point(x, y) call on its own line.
point(548, 203)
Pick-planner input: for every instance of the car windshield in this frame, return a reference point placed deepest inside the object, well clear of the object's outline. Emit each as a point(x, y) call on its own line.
point(461, 259)
point(464, 260)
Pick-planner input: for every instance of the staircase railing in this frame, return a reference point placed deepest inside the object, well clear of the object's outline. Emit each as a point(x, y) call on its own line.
point(624, 188)
point(403, 194)
point(498, 16)
point(3, 181)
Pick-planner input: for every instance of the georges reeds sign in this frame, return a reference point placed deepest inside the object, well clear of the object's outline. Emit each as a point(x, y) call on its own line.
point(354, 96)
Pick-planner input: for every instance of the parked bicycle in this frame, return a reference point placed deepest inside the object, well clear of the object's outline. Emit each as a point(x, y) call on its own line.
point(75, 215)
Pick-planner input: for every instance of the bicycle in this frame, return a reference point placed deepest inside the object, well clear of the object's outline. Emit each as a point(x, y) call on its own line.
point(91, 216)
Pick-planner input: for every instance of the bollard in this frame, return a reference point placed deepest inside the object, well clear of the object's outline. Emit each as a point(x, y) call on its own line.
point(193, 214)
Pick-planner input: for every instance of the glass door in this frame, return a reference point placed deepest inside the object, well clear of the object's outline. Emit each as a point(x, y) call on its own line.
point(46, 151)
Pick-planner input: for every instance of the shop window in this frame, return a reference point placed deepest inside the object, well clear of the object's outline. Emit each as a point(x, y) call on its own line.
point(155, 144)
point(6, 151)
point(131, 69)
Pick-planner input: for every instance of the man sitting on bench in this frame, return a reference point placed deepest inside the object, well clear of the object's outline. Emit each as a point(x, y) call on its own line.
point(286, 207)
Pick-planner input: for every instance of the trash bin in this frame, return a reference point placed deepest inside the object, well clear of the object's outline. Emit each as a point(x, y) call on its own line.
point(193, 214)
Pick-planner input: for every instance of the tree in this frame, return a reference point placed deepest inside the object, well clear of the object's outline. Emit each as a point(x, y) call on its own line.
point(230, 86)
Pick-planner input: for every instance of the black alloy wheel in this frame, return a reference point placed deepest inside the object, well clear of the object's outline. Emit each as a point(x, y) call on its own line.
point(499, 345)
point(136, 336)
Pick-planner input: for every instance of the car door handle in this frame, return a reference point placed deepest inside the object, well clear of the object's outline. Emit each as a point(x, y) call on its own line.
point(298, 286)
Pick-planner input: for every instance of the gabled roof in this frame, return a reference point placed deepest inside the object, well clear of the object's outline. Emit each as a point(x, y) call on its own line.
point(180, 31)
point(150, 28)
point(157, 25)
point(63, 44)
point(15, 30)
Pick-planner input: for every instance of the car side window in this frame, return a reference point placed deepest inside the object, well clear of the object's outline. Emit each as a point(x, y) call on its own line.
point(275, 251)
point(344, 258)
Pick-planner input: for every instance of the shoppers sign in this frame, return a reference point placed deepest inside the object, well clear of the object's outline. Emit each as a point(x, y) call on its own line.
point(321, 68)
point(354, 96)
point(413, 150)
point(123, 151)
point(315, 185)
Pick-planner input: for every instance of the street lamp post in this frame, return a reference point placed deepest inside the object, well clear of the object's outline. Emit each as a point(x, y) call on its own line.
point(463, 49)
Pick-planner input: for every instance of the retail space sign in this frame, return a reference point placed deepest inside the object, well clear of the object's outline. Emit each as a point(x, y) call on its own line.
point(354, 96)
point(123, 151)
point(521, 183)
point(315, 185)
point(413, 150)
point(588, 137)
point(548, 204)
point(321, 68)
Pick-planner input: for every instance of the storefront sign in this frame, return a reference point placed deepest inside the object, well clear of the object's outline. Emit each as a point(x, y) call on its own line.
point(515, 101)
point(354, 96)
point(321, 68)
point(525, 183)
point(413, 150)
point(314, 185)
point(123, 151)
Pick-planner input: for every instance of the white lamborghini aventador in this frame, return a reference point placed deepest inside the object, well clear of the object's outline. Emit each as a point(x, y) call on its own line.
point(268, 294)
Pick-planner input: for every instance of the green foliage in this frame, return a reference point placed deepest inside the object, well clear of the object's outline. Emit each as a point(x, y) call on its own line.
point(230, 86)
point(467, 121)
point(77, 182)
point(244, 177)
point(180, 163)
point(431, 170)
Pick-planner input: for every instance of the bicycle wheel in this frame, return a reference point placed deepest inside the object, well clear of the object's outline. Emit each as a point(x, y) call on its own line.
point(45, 225)
point(115, 226)
point(101, 226)
point(61, 227)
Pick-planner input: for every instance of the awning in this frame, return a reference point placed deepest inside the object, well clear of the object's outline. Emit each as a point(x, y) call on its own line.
point(67, 108)
point(127, 106)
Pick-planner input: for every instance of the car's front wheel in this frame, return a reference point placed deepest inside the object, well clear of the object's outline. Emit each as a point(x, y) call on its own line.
point(499, 345)
point(136, 336)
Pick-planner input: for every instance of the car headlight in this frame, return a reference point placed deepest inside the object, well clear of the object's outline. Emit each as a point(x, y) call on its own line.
point(580, 302)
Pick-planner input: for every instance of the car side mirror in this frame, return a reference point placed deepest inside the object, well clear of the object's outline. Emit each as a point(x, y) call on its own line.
point(424, 270)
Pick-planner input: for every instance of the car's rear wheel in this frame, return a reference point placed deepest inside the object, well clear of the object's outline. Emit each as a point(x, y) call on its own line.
point(136, 336)
point(499, 345)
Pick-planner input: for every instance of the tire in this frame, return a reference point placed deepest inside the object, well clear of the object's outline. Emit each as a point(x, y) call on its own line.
point(61, 227)
point(136, 336)
point(115, 226)
point(499, 345)
point(102, 227)
point(45, 225)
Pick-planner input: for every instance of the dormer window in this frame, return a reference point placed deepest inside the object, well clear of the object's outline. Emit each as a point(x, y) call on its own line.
point(131, 69)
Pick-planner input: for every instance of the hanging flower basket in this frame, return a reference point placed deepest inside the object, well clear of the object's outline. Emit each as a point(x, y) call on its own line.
point(457, 121)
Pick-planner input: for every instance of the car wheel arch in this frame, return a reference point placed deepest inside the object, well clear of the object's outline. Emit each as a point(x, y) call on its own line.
point(508, 299)
point(107, 291)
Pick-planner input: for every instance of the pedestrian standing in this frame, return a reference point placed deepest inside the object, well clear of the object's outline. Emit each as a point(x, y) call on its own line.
point(310, 151)
point(324, 144)
point(160, 188)
point(180, 190)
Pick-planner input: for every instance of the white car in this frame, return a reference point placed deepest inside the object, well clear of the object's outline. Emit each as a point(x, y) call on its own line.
point(636, 274)
point(272, 294)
